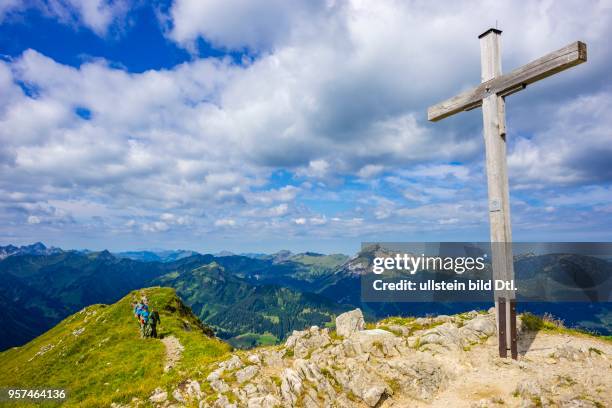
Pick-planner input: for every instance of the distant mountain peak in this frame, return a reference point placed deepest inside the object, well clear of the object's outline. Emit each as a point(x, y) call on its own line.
point(37, 248)
point(281, 255)
point(156, 255)
point(105, 255)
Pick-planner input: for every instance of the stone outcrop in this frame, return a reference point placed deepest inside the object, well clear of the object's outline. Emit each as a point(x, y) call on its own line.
point(349, 323)
point(357, 367)
point(304, 342)
point(399, 362)
point(187, 391)
point(245, 374)
point(448, 335)
point(158, 396)
point(232, 363)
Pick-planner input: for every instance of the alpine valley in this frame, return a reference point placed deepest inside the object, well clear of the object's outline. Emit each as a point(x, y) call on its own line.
point(248, 299)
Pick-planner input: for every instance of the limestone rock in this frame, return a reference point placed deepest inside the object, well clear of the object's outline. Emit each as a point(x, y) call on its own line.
point(568, 352)
point(378, 342)
point(215, 375)
point(254, 359)
point(193, 390)
point(219, 386)
point(188, 390)
point(470, 315)
point(178, 396)
point(310, 398)
point(304, 342)
point(349, 323)
point(273, 358)
point(232, 364)
point(451, 337)
point(372, 395)
point(223, 402)
point(382, 368)
point(307, 370)
point(246, 373)
point(482, 326)
point(291, 386)
point(158, 396)
point(446, 335)
point(247, 392)
point(403, 330)
point(267, 401)
point(529, 388)
point(423, 375)
point(362, 381)
point(442, 319)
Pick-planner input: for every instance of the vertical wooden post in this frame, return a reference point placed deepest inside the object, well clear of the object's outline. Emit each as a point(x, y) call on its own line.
point(494, 118)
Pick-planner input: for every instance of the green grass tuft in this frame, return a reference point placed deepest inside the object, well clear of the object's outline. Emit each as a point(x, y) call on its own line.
point(548, 323)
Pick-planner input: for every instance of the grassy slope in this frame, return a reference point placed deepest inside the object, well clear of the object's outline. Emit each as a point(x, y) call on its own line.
point(311, 267)
point(108, 362)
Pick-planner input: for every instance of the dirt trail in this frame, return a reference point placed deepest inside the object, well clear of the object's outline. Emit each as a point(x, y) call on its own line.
point(490, 381)
point(174, 349)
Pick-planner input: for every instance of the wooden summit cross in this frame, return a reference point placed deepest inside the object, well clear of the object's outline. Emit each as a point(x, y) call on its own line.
point(490, 94)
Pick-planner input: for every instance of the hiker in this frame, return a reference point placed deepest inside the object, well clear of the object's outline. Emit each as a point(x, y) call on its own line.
point(154, 320)
point(144, 318)
point(137, 308)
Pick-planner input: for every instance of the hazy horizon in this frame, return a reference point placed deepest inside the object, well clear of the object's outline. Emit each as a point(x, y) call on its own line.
point(159, 249)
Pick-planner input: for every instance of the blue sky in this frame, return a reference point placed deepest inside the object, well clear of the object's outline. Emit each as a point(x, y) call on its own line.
point(263, 125)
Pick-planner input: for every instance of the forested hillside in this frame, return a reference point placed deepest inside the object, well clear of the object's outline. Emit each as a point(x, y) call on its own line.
point(254, 299)
point(235, 308)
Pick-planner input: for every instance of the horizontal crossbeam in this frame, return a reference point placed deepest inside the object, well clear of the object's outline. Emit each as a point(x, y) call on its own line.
point(557, 61)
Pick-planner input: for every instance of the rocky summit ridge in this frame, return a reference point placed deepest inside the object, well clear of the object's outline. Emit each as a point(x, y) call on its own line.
point(443, 361)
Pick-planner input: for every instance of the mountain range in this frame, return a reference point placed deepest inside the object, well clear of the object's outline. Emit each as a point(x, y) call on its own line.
point(248, 299)
point(38, 248)
point(239, 296)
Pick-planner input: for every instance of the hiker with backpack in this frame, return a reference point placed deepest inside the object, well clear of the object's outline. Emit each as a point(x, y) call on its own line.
point(141, 312)
point(148, 320)
point(154, 320)
point(144, 318)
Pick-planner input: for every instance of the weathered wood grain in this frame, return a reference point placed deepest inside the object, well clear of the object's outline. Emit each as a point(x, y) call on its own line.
point(562, 59)
point(494, 125)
